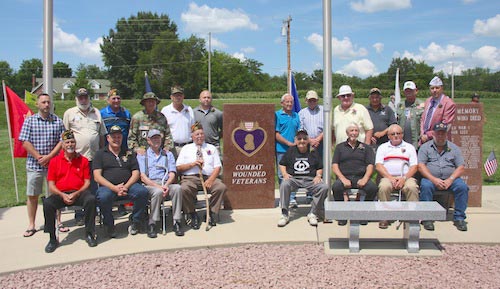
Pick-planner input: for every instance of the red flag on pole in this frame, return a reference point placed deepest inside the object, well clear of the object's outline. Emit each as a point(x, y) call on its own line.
point(17, 111)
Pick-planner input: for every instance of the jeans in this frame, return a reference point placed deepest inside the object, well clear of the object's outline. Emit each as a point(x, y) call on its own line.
point(137, 193)
point(460, 192)
point(279, 156)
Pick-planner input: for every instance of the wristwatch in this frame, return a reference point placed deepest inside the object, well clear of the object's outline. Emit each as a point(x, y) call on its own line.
point(452, 178)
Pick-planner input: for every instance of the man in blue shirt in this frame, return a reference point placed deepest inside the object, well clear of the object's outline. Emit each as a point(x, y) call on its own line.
point(441, 164)
point(287, 122)
point(115, 114)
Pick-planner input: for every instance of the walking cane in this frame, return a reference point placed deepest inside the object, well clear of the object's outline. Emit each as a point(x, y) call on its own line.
point(207, 227)
point(400, 190)
point(163, 181)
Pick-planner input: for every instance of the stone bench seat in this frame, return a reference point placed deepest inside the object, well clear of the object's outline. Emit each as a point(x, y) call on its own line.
point(411, 213)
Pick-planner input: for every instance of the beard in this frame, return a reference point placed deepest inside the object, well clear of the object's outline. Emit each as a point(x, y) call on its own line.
point(70, 150)
point(83, 107)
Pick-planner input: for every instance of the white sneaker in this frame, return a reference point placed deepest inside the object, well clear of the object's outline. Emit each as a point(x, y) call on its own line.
point(312, 219)
point(283, 220)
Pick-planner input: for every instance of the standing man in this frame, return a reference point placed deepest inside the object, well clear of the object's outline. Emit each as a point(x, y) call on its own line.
point(158, 175)
point(69, 181)
point(410, 114)
point(115, 114)
point(86, 123)
point(439, 108)
point(352, 163)
point(311, 120)
point(210, 118)
point(382, 117)
point(441, 164)
point(348, 112)
point(40, 135)
point(302, 168)
point(193, 158)
point(146, 119)
point(474, 98)
point(287, 123)
point(180, 118)
point(396, 163)
point(117, 173)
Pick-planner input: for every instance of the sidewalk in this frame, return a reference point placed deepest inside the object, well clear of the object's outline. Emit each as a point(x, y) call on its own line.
point(235, 227)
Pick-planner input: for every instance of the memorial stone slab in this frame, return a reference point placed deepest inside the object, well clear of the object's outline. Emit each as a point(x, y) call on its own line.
point(249, 156)
point(467, 133)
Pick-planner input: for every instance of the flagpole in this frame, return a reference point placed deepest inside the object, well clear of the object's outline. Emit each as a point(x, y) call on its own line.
point(10, 139)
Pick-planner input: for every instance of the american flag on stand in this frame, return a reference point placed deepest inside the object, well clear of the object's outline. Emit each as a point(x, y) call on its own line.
point(491, 165)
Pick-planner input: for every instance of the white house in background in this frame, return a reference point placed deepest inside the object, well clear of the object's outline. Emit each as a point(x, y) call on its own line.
point(62, 87)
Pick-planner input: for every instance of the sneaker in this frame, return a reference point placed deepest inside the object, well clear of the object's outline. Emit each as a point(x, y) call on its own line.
point(122, 211)
point(133, 229)
point(428, 225)
point(293, 204)
point(283, 220)
point(312, 219)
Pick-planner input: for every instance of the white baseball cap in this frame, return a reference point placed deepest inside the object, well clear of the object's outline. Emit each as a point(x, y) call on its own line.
point(311, 94)
point(409, 85)
point(344, 89)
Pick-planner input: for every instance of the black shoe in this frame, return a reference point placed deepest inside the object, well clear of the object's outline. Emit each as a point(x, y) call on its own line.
point(363, 223)
point(51, 246)
point(90, 239)
point(211, 220)
point(195, 221)
point(177, 229)
point(110, 230)
point(342, 222)
point(152, 231)
point(428, 225)
point(461, 225)
point(79, 222)
point(133, 229)
point(122, 211)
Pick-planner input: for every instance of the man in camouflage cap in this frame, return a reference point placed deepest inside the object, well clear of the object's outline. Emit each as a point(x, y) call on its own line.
point(145, 120)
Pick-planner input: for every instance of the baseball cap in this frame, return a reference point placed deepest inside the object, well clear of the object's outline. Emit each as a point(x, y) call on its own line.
point(153, 132)
point(375, 90)
point(115, 129)
point(82, 92)
point(409, 85)
point(311, 94)
point(177, 89)
point(344, 89)
point(440, 126)
point(301, 131)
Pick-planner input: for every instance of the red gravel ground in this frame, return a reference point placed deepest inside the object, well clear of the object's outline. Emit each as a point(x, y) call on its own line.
point(272, 266)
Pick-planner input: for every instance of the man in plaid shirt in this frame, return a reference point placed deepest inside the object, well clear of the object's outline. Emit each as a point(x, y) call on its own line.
point(40, 134)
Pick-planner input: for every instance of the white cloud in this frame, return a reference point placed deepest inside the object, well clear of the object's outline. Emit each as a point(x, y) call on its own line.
point(343, 49)
point(248, 49)
point(370, 6)
point(490, 27)
point(487, 56)
point(362, 68)
point(216, 43)
point(203, 19)
point(66, 42)
point(240, 56)
point(379, 47)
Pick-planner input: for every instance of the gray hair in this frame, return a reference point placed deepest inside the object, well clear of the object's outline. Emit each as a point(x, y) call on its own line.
point(352, 124)
point(285, 95)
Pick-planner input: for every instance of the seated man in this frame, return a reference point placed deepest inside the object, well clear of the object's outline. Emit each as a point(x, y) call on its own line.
point(441, 164)
point(352, 163)
point(193, 158)
point(302, 168)
point(396, 163)
point(157, 175)
point(117, 173)
point(69, 181)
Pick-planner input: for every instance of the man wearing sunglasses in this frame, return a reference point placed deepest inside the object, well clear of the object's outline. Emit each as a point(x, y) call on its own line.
point(302, 168)
point(396, 163)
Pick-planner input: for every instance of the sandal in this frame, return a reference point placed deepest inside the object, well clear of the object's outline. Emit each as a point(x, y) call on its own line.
point(29, 232)
point(62, 229)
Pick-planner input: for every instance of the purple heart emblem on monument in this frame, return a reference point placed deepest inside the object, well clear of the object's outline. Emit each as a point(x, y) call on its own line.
point(249, 138)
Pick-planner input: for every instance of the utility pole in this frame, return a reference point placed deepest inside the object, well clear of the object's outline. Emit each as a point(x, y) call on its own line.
point(286, 28)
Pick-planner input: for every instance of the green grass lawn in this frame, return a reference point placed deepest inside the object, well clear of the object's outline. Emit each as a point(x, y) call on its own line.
point(491, 135)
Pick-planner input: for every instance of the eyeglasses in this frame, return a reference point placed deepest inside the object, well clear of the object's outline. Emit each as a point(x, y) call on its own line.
point(303, 138)
point(396, 133)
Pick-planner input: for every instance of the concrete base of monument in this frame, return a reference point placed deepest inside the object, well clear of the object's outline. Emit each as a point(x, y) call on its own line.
point(382, 247)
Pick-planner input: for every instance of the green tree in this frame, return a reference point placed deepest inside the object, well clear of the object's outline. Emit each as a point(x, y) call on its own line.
point(81, 81)
point(24, 76)
point(92, 71)
point(62, 69)
point(123, 46)
point(6, 72)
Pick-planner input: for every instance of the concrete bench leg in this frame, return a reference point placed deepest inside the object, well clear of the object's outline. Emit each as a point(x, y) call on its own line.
point(412, 236)
point(353, 236)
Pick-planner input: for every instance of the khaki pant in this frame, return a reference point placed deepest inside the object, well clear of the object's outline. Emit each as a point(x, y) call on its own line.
point(190, 185)
point(410, 190)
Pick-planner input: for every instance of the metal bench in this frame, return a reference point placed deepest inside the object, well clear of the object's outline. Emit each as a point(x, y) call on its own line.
point(411, 213)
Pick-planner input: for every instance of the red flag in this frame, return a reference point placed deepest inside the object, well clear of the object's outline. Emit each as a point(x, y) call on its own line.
point(18, 111)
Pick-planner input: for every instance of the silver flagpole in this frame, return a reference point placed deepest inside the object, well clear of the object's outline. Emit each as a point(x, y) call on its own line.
point(48, 10)
point(327, 95)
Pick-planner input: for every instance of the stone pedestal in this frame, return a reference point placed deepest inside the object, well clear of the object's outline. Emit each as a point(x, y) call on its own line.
point(249, 156)
point(467, 133)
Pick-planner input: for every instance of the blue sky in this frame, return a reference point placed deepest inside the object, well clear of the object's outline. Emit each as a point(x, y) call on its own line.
point(367, 34)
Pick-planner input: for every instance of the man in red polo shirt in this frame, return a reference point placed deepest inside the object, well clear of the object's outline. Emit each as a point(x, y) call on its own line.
point(69, 181)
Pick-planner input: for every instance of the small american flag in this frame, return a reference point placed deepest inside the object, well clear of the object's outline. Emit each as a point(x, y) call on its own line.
point(491, 164)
